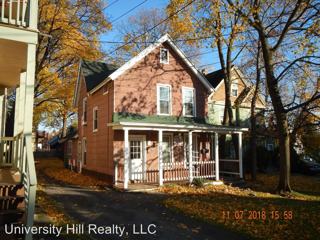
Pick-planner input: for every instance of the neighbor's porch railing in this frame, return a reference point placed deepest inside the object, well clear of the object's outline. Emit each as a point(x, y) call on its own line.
point(17, 152)
point(19, 12)
point(230, 167)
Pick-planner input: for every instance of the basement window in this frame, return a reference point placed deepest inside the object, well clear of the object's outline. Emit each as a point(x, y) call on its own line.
point(164, 55)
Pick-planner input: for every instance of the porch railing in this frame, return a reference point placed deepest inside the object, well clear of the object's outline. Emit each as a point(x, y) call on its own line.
point(175, 171)
point(17, 152)
point(10, 150)
point(203, 169)
point(19, 12)
point(230, 166)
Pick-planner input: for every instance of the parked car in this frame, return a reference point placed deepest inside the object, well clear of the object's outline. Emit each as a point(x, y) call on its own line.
point(309, 166)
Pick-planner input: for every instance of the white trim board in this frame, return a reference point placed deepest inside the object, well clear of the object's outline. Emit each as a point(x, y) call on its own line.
point(173, 127)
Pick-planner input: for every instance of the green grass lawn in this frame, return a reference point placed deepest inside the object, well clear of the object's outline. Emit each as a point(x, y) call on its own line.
point(254, 211)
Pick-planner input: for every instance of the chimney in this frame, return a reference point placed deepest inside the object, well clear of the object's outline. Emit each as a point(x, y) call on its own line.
point(204, 71)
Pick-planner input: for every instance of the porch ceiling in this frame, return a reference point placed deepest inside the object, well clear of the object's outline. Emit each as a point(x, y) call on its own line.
point(13, 57)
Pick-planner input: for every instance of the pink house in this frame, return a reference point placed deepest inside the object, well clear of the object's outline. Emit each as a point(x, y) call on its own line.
point(146, 121)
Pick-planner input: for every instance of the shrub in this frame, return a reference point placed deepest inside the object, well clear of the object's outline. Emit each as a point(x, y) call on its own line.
point(198, 182)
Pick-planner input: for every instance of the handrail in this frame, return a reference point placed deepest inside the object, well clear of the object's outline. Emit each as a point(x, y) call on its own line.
point(30, 161)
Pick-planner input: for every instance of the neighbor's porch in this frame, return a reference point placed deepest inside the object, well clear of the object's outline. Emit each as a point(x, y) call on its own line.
point(157, 153)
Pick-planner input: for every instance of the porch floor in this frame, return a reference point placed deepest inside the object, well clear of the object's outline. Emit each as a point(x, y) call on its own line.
point(9, 175)
point(137, 187)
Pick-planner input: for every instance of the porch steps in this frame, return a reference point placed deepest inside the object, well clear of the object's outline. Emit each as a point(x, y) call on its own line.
point(11, 208)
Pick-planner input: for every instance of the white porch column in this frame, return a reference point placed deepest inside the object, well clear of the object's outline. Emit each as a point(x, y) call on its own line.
point(126, 158)
point(22, 96)
point(216, 152)
point(190, 157)
point(27, 130)
point(240, 154)
point(160, 157)
point(29, 92)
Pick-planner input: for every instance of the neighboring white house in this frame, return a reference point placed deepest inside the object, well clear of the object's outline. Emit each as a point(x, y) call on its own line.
point(18, 40)
point(241, 96)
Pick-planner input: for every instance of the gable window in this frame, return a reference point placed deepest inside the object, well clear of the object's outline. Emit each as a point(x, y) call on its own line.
point(164, 99)
point(95, 119)
point(164, 55)
point(234, 89)
point(188, 101)
point(84, 110)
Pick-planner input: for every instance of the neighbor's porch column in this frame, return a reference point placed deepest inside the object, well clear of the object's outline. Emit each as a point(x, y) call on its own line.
point(126, 158)
point(160, 157)
point(20, 108)
point(190, 157)
point(3, 114)
point(3, 111)
point(216, 151)
point(240, 154)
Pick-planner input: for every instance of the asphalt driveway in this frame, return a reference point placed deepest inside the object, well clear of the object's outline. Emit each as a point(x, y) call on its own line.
point(133, 212)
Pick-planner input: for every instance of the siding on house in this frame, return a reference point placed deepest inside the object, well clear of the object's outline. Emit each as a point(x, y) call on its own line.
point(136, 92)
point(216, 103)
point(99, 143)
point(136, 89)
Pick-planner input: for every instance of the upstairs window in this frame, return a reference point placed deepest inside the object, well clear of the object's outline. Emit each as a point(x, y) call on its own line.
point(164, 56)
point(84, 111)
point(95, 119)
point(164, 99)
point(188, 101)
point(234, 89)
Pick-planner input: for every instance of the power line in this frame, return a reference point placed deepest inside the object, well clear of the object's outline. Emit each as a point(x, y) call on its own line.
point(164, 20)
point(127, 12)
point(109, 5)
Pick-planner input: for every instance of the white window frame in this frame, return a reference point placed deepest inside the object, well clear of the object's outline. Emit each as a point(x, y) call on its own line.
point(159, 85)
point(195, 142)
point(170, 135)
point(194, 101)
point(84, 103)
point(95, 109)
point(161, 61)
point(234, 86)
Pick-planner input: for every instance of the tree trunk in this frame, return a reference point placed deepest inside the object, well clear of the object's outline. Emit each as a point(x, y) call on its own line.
point(281, 116)
point(253, 119)
point(64, 125)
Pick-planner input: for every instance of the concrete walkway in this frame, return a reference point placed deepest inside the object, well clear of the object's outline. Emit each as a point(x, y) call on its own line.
point(134, 212)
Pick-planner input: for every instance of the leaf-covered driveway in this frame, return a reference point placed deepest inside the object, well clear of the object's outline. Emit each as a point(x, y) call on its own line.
point(108, 207)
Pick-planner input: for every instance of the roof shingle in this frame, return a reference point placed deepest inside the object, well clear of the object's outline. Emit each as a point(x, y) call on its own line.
point(95, 72)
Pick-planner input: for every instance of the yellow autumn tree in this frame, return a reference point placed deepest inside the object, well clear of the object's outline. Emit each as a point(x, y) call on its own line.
point(69, 31)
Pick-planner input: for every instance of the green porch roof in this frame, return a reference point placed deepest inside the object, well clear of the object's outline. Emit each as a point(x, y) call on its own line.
point(141, 118)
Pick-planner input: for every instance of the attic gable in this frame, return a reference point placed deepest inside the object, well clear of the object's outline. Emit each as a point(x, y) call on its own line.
point(164, 39)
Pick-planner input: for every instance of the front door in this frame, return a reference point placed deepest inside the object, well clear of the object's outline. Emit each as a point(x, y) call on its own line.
point(137, 158)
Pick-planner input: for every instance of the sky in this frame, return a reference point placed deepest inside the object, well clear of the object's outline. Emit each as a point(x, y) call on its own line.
point(120, 7)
